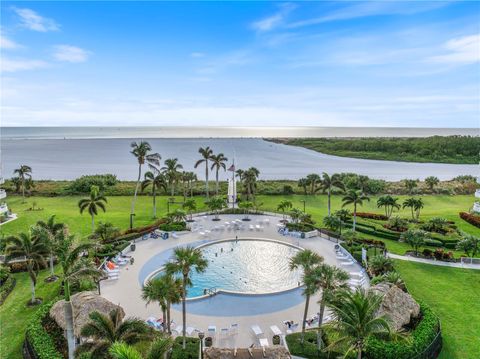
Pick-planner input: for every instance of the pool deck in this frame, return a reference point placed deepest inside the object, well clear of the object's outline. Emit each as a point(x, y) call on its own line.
point(222, 309)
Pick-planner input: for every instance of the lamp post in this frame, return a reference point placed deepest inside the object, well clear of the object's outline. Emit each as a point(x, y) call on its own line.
point(303, 201)
point(131, 219)
point(201, 335)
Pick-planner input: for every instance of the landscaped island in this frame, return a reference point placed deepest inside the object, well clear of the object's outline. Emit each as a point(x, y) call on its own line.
point(437, 149)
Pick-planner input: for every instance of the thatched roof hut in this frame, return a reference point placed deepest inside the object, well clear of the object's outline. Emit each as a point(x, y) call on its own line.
point(273, 352)
point(83, 304)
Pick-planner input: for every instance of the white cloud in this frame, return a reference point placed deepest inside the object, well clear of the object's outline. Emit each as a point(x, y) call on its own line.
point(462, 50)
point(33, 21)
point(275, 20)
point(8, 44)
point(197, 54)
point(70, 53)
point(14, 65)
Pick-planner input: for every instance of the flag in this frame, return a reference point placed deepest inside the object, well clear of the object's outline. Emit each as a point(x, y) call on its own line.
point(232, 168)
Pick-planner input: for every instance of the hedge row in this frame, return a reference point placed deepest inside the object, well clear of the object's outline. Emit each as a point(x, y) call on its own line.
point(376, 216)
point(470, 218)
point(309, 349)
point(40, 341)
point(381, 234)
point(417, 343)
point(191, 351)
point(6, 288)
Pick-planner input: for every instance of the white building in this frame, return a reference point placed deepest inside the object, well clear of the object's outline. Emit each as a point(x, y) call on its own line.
point(4, 211)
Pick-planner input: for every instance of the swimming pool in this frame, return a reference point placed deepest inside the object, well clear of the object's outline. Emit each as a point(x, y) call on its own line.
point(246, 266)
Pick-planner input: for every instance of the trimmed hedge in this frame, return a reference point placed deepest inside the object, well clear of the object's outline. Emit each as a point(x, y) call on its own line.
point(418, 341)
point(175, 226)
point(40, 341)
point(381, 234)
point(6, 288)
point(380, 217)
point(470, 218)
point(191, 351)
point(433, 243)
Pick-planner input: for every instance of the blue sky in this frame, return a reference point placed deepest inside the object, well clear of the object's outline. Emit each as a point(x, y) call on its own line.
point(407, 64)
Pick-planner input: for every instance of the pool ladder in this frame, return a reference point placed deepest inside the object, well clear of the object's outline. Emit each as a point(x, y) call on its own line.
point(210, 291)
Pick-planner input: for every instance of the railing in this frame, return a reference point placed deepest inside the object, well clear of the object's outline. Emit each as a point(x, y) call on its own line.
point(210, 291)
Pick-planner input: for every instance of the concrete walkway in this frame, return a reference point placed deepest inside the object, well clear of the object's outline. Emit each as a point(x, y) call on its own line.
point(221, 310)
point(434, 262)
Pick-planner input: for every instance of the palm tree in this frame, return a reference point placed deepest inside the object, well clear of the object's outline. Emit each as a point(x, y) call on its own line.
point(356, 318)
point(190, 205)
point(184, 260)
point(218, 162)
point(312, 180)
point(379, 264)
point(470, 244)
point(389, 203)
point(328, 184)
point(206, 154)
point(34, 249)
point(356, 198)
point(166, 291)
point(306, 260)
point(74, 267)
point(333, 223)
point(156, 180)
point(410, 184)
point(92, 204)
point(246, 206)
point(172, 173)
point(47, 231)
point(415, 238)
point(431, 182)
point(284, 206)
point(177, 216)
point(415, 205)
point(141, 152)
point(106, 232)
point(24, 173)
point(104, 330)
point(190, 177)
point(159, 348)
point(303, 183)
point(329, 279)
point(250, 181)
point(216, 204)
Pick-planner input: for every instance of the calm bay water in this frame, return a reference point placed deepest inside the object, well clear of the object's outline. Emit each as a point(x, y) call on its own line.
point(54, 153)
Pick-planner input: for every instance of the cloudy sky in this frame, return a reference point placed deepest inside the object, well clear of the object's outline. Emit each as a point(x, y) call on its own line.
point(409, 64)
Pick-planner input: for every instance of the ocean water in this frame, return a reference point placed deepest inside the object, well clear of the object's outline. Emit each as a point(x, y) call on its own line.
point(68, 153)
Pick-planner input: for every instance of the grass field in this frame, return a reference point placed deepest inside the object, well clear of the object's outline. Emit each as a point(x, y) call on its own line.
point(453, 294)
point(118, 209)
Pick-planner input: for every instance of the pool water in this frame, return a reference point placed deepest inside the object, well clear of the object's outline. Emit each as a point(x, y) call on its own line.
point(246, 266)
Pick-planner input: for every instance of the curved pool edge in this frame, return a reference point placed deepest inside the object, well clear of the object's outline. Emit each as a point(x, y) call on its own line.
point(232, 292)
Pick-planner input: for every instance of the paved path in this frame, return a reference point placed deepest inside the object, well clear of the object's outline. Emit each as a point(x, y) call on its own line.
point(435, 262)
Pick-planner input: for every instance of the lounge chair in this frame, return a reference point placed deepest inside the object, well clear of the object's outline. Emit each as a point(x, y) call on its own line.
point(190, 330)
point(234, 328)
point(257, 330)
point(212, 330)
point(275, 330)
point(263, 342)
point(224, 331)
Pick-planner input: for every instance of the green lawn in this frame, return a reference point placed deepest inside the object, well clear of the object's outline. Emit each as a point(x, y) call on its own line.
point(453, 294)
point(15, 314)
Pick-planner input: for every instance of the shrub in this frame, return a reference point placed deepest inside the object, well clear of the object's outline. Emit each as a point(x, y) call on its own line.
point(368, 215)
point(174, 226)
point(420, 338)
point(6, 288)
point(427, 253)
point(441, 255)
point(84, 183)
point(379, 265)
point(473, 219)
point(300, 227)
point(287, 190)
point(4, 273)
point(433, 242)
point(309, 349)
point(397, 224)
point(381, 234)
point(40, 341)
point(191, 351)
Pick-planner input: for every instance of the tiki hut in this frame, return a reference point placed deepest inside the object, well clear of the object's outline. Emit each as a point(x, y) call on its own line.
point(83, 304)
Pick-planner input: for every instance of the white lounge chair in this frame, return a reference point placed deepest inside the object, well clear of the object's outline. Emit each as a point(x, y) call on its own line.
point(224, 331)
point(190, 330)
point(257, 330)
point(212, 330)
point(275, 330)
point(234, 328)
point(263, 342)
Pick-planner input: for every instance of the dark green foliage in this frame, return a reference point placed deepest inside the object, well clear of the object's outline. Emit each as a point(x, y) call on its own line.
point(84, 183)
point(440, 149)
point(40, 340)
point(419, 339)
point(433, 243)
point(309, 349)
point(6, 288)
point(174, 226)
point(191, 351)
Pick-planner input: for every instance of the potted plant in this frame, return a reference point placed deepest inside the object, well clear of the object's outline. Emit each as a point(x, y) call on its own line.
point(208, 342)
point(133, 246)
point(276, 340)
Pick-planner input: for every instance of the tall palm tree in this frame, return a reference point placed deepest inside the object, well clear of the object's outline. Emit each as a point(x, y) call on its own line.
point(141, 151)
point(47, 231)
point(184, 260)
point(166, 290)
point(250, 181)
point(218, 162)
point(92, 203)
point(74, 267)
point(34, 249)
point(206, 154)
point(190, 178)
point(306, 260)
point(156, 180)
point(312, 180)
point(329, 279)
point(158, 349)
point(389, 203)
point(171, 171)
point(303, 183)
point(328, 184)
point(24, 173)
point(355, 317)
point(104, 330)
point(415, 205)
point(355, 197)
